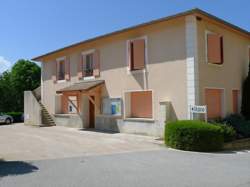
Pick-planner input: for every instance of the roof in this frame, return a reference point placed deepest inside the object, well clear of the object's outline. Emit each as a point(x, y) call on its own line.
point(82, 86)
point(189, 12)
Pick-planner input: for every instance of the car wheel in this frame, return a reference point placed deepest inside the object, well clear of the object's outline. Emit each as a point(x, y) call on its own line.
point(8, 121)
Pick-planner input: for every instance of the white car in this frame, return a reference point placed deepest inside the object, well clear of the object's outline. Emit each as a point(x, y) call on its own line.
point(6, 119)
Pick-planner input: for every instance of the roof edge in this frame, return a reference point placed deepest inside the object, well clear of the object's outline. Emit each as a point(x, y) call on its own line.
point(185, 13)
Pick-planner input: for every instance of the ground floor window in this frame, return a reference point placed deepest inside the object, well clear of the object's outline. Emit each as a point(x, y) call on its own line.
point(72, 104)
point(138, 104)
point(214, 102)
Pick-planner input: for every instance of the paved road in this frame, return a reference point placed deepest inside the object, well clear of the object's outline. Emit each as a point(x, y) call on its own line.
point(20, 142)
point(164, 167)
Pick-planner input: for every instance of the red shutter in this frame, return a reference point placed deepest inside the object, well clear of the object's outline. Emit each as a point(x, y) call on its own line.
point(213, 99)
point(141, 104)
point(67, 68)
point(130, 56)
point(96, 71)
point(54, 72)
point(138, 54)
point(214, 48)
point(80, 67)
point(235, 94)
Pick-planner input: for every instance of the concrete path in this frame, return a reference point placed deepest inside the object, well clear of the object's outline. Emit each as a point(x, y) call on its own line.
point(20, 142)
point(157, 168)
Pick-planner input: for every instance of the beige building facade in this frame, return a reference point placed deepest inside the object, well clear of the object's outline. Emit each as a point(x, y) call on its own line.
point(136, 79)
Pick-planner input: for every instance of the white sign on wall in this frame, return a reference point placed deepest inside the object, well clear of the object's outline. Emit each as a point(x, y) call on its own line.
point(198, 110)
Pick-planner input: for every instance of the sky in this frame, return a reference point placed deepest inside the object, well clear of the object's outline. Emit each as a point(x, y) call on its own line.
point(29, 28)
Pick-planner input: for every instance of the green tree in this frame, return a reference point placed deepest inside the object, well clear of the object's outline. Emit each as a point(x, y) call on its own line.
point(6, 92)
point(24, 75)
point(245, 107)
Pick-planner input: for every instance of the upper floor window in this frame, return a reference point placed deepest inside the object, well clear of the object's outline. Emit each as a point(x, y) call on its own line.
point(89, 64)
point(214, 45)
point(61, 69)
point(137, 54)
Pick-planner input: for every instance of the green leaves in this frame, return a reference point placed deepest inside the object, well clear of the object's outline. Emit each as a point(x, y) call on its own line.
point(24, 75)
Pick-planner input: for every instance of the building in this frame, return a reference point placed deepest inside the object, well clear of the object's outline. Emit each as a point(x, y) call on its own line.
point(135, 79)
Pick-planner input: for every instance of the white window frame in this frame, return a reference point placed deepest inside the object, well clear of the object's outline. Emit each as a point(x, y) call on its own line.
point(206, 48)
point(129, 72)
point(223, 112)
point(84, 53)
point(138, 119)
point(57, 62)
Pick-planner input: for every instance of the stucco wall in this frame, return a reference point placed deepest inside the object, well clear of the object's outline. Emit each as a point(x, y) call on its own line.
point(32, 110)
point(166, 74)
point(231, 74)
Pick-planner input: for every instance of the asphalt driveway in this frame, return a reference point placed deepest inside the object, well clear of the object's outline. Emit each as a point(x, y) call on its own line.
point(156, 168)
point(20, 142)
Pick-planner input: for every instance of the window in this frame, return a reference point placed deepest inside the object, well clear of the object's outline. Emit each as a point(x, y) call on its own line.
point(235, 100)
point(214, 48)
point(72, 104)
point(137, 54)
point(89, 65)
point(111, 106)
point(214, 102)
point(139, 104)
point(61, 70)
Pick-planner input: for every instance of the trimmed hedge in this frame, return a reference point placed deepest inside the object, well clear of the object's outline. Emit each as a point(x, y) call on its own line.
point(228, 132)
point(194, 136)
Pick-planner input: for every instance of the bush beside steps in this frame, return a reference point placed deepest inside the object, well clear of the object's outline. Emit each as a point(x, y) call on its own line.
point(193, 135)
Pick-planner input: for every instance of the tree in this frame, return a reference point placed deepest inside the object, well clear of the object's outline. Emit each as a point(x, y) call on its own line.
point(245, 107)
point(24, 75)
point(6, 101)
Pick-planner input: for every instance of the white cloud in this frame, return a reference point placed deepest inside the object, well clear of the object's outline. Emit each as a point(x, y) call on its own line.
point(4, 64)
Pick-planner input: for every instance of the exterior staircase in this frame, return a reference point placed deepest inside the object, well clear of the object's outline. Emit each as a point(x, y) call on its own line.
point(47, 120)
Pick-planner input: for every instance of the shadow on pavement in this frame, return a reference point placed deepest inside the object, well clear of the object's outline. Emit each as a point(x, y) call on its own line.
point(8, 168)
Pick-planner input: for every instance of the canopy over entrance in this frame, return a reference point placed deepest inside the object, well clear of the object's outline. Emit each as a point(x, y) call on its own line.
point(82, 86)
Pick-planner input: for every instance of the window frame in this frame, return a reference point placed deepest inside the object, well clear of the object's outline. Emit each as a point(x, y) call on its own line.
point(58, 60)
point(128, 58)
point(127, 118)
point(85, 53)
point(206, 48)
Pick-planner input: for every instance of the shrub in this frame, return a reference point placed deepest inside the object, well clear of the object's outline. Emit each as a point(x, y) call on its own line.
point(194, 136)
point(245, 107)
point(228, 132)
point(17, 116)
point(239, 123)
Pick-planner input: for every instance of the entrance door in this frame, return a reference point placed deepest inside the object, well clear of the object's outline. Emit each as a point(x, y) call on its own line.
point(91, 114)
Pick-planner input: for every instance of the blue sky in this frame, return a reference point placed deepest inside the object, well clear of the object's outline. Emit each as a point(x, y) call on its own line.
point(29, 28)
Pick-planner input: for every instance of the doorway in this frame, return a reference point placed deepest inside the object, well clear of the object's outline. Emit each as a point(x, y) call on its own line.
point(91, 113)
